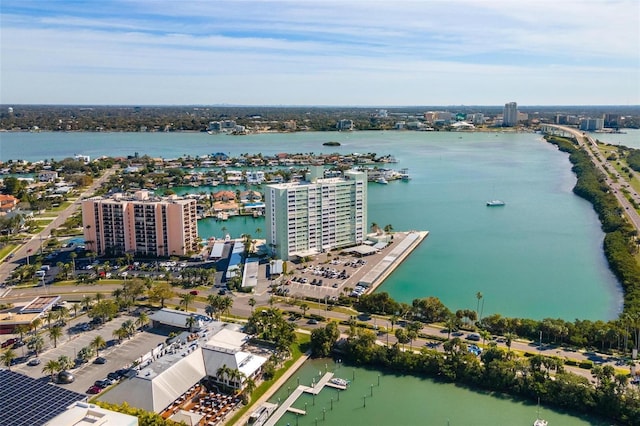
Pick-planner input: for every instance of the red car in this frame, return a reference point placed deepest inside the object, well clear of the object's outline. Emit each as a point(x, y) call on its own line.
point(94, 390)
point(9, 342)
point(194, 292)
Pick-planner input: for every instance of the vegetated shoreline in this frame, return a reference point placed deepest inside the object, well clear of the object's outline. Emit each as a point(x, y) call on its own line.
point(619, 234)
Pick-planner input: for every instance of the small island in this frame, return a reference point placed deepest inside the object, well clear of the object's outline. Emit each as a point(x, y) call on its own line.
point(331, 143)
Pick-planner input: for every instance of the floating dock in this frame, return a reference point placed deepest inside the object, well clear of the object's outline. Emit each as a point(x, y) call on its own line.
point(314, 390)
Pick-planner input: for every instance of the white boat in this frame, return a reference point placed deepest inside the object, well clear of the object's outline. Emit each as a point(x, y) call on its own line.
point(382, 180)
point(495, 203)
point(338, 381)
point(262, 414)
point(539, 421)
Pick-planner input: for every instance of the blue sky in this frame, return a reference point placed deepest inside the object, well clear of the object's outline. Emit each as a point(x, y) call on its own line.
point(368, 53)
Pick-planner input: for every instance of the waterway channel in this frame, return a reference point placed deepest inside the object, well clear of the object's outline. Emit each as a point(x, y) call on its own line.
point(401, 400)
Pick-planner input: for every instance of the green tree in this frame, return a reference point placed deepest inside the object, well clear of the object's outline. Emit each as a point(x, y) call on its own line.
point(7, 357)
point(161, 292)
point(51, 367)
point(186, 299)
point(55, 333)
point(36, 344)
point(98, 343)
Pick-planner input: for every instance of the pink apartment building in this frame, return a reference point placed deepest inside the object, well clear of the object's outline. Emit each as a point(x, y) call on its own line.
point(142, 224)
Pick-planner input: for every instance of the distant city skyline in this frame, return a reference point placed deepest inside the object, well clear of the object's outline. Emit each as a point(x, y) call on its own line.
point(347, 53)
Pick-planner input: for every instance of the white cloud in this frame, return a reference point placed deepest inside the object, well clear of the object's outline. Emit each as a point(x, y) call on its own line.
point(308, 53)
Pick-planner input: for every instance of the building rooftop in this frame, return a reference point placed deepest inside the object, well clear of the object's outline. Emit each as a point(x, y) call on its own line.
point(32, 402)
point(83, 414)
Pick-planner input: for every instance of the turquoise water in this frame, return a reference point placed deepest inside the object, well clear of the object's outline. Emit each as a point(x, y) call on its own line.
point(630, 138)
point(539, 256)
point(406, 401)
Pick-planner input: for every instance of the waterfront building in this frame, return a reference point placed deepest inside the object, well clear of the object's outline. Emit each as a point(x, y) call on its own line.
point(173, 369)
point(316, 215)
point(345, 125)
point(591, 124)
point(510, 114)
point(141, 224)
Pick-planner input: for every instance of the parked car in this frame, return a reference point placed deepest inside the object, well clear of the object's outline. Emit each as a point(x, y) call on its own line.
point(94, 390)
point(100, 360)
point(33, 362)
point(9, 342)
point(102, 383)
point(312, 321)
point(473, 336)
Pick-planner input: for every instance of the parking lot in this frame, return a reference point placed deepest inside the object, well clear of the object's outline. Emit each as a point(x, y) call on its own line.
point(117, 355)
point(323, 279)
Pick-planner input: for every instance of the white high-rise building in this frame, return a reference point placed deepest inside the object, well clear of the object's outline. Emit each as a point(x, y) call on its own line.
point(320, 214)
point(510, 114)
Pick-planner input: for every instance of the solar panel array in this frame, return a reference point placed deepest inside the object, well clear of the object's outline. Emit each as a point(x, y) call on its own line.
point(25, 401)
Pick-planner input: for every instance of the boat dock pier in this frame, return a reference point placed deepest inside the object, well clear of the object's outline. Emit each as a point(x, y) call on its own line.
point(314, 390)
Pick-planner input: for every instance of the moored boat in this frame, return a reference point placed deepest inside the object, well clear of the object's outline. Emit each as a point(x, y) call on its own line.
point(495, 203)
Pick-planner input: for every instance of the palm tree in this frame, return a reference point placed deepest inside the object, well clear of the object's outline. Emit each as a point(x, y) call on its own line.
point(98, 343)
point(388, 228)
point(252, 303)
point(63, 313)
point(51, 316)
point(222, 373)
point(186, 299)
point(65, 362)
point(249, 387)
point(7, 357)
point(304, 307)
point(75, 308)
point(143, 319)
point(22, 329)
point(52, 367)
point(120, 334)
point(35, 324)
point(36, 344)
point(484, 334)
point(55, 333)
point(98, 297)
point(87, 301)
point(479, 297)
point(191, 322)
point(129, 327)
point(73, 256)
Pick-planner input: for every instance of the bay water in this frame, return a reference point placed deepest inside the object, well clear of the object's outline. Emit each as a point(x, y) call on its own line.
point(539, 256)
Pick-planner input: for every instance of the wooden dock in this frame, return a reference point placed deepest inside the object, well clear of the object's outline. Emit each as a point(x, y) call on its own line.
point(287, 404)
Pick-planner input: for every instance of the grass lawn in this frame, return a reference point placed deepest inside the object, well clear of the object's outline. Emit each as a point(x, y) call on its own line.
point(301, 346)
point(61, 207)
point(4, 251)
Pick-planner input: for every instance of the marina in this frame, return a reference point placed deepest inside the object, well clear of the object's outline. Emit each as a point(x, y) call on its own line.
point(375, 397)
point(314, 389)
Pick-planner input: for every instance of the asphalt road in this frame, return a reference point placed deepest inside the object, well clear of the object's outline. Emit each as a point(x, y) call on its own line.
point(33, 245)
point(616, 186)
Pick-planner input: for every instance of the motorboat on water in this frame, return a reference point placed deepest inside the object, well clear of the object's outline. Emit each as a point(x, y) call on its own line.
point(338, 381)
point(382, 180)
point(540, 422)
point(495, 203)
